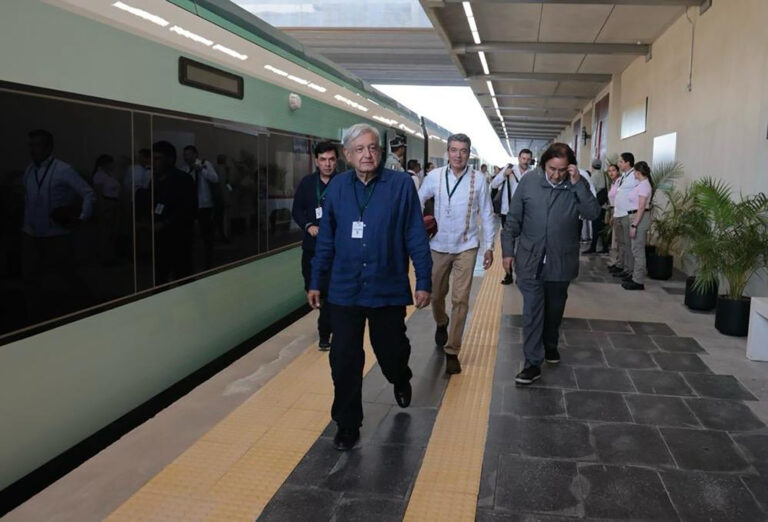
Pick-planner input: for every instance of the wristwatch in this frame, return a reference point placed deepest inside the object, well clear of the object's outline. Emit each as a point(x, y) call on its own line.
point(633, 225)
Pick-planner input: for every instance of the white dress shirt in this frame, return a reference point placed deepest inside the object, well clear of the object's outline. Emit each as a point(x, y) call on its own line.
point(51, 185)
point(106, 186)
point(454, 233)
point(206, 176)
point(415, 178)
point(498, 181)
point(626, 182)
point(137, 177)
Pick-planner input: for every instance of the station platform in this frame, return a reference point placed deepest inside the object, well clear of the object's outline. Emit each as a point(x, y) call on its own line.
point(652, 415)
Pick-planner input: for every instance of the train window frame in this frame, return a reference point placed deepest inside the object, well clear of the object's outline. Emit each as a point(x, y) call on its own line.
point(186, 64)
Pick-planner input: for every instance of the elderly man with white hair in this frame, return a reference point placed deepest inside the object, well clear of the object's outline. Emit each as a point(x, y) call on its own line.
point(372, 226)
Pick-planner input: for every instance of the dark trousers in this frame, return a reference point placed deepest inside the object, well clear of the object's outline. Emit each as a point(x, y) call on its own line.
point(390, 344)
point(207, 232)
point(597, 229)
point(543, 307)
point(324, 326)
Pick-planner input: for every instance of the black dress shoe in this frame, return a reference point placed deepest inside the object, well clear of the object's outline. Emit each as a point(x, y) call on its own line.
point(346, 438)
point(529, 375)
point(441, 335)
point(452, 364)
point(628, 278)
point(508, 279)
point(631, 285)
point(615, 269)
point(324, 345)
point(621, 275)
point(403, 394)
point(552, 356)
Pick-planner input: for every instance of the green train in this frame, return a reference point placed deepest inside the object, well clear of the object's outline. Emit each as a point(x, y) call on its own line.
point(97, 315)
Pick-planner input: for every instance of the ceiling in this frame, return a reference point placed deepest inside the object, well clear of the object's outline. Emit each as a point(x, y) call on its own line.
point(546, 59)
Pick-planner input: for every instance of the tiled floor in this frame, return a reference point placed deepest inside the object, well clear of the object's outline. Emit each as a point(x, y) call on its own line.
point(632, 424)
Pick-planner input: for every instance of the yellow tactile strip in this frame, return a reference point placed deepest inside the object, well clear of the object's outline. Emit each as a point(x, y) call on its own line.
point(233, 471)
point(449, 480)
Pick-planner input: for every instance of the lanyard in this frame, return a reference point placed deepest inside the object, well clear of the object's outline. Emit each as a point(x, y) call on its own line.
point(321, 195)
point(452, 192)
point(368, 193)
point(40, 181)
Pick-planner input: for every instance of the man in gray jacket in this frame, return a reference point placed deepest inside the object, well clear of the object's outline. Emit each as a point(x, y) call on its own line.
point(538, 240)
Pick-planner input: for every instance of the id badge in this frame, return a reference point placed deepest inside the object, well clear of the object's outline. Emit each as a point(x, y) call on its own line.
point(319, 213)
point(159, 208)
point(357, 229)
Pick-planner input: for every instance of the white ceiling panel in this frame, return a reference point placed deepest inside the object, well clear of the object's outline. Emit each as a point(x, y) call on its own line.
point(572, 23)
point(632, 23)
point(579, 88)
point(510, 62)
point(557, 63)
point(605, 64)
point(520, 87)
point(502, 22)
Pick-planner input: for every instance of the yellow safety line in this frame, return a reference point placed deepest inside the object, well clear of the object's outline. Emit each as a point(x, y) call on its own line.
point(447, 486)
point(233, 471)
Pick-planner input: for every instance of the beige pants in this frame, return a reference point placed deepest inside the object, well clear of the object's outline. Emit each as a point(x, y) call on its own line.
point(638, 247)
point(462, 266)
point(623, 245)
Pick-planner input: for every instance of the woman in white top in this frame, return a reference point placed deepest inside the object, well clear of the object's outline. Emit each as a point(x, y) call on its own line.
point(639, 223)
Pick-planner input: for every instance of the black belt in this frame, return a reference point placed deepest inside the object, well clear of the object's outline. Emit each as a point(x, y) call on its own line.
point(629, 212)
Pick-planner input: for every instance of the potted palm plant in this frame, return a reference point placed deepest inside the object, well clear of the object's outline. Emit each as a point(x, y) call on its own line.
point(700, 295)
point(668, 218)
point(733, 247)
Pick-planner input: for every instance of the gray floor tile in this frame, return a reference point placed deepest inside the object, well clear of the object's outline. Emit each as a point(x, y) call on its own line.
point(673, 290)
point(632, 342)
point(719, 387)
point(605, 379)
point(556, 376)
point(660, 383)
point(724, 415)
point(527, 485)
point(759, 488)
point(487, 493)
point(651, 328)
point(613, 492)
point(487, 515)
point(630, 444)
point(595, 405)
point(555, 438)
point(298, 503)
point(373, 412)
point(406, 426)
point(586, 339)
point(570, 356)
point(532, 402)
point(503, 435)
point(316, 464)
point(706, 496)
point(631, 359)
point(512, 320)
point(360, 508)
point(573, 323)
point(755, 446)
point(385, 469)
point(703, 450)
point(680, 362)
point(678, 344)
point(604, 325)
point(661, 411)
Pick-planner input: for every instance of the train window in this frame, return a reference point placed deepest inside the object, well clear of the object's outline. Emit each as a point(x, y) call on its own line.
point(289, 160)
point(201, 76)
point(65, 219)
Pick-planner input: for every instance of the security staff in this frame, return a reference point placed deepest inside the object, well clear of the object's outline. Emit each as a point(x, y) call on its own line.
point(397, 154)
point(307, 213)
point(372, 224)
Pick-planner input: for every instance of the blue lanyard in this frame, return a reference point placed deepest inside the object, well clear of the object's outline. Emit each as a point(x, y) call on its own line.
point(452, 192)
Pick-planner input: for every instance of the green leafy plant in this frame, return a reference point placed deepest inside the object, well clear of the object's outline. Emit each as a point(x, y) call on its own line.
point(670, 222)
point(728, 237)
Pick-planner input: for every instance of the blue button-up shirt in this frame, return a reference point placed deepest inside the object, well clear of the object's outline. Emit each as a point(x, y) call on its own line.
point(372, 271)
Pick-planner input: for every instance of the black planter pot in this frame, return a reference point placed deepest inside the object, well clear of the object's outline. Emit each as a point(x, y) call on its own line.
point(732, 316)
point(699, 301)
point(650, 250)
point(660, 267)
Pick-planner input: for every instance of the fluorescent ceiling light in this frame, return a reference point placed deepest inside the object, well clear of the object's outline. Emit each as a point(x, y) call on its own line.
point(495, 103)
point(296, 79)
point(471, 22)
point(141, 13)
point(192, 36)
point(351, 103)
point(232, 53)
point(318, 88)
point(490, 88)
point(406, 128)
point(484, 62)
point(373, 102)
point(276, 70)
